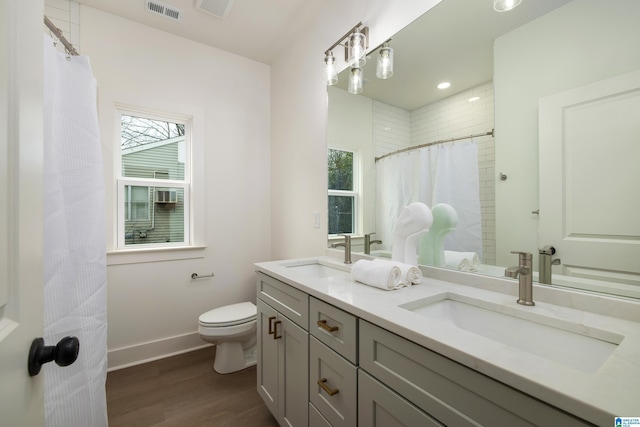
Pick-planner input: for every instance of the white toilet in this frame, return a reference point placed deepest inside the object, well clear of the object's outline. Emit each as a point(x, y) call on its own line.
point(232, 329)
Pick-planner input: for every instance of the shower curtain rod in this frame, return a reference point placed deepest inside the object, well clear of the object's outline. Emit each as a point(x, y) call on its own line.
point(442, 141)
point(56, 31)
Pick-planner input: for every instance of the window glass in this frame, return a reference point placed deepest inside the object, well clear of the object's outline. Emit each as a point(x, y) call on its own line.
point(342, 208)
point(153, 188)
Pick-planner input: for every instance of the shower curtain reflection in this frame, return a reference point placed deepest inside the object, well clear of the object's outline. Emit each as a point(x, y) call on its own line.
point(443, 173)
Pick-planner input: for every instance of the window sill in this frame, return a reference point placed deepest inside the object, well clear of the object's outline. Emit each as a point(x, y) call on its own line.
point(145, 255)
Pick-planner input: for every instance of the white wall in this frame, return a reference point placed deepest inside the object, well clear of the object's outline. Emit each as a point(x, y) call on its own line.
point(299, 118)
point(582, 42)
point(153, 307)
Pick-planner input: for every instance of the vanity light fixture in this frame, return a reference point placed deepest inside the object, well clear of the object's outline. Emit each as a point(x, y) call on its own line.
point(330, 70)
point(355, 81)
point(505, 5)
point(355, 43)
point(384, 68)
point(444, 85)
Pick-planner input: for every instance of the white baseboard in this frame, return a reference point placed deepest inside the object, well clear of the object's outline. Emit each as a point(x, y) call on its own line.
point(125, 357)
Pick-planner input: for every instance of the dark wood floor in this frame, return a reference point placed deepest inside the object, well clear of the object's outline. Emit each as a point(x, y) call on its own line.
point(185, 391)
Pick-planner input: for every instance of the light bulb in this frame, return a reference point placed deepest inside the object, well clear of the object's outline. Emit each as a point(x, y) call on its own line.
point(330, 71)
point(355, 81)
point(357, 49)
point(384, 68)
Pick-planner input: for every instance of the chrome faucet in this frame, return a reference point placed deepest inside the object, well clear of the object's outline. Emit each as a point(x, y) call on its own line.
point(368, 242)
point(524, 273)
point(545, 262)
point(347, 248)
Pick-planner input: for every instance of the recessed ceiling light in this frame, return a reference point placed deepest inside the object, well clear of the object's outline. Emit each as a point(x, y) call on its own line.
point(474, 98)
point(444, 85)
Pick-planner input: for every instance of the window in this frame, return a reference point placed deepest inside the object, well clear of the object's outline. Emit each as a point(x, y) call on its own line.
point(153, 181)
point(343, 197)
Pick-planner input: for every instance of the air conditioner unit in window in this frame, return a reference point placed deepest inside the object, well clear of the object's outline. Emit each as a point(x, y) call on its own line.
point(165, 196)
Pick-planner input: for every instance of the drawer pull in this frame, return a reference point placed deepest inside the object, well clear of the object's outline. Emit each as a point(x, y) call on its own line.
point(271, 319)
point(323, 325)
point(321, 383)
point(275, 330)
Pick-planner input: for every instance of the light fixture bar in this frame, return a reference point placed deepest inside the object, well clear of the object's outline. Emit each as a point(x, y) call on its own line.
point(341, 39)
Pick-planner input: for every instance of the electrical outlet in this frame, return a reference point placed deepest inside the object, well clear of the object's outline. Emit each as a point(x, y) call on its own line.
point(316, 220)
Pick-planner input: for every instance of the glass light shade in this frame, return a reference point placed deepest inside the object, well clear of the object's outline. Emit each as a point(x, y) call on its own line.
point(357, 49)
point(384, 69)
point(330, 70)
point(505, 5)
point(355, 81)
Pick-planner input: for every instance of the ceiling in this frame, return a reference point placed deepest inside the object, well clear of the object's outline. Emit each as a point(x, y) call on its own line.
point(452, 42)
point(255, 29)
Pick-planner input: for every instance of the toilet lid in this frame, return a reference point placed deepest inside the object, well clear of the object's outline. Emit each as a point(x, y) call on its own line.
point(229, 315)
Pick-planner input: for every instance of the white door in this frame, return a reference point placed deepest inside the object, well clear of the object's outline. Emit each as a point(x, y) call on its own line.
point(21, 210)
point(589, 181)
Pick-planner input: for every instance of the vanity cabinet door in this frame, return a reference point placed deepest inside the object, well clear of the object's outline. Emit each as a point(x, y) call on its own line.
point(267, 356)
point(332, 385)
point(293, 369)
point(379, 406)
point(282, 366)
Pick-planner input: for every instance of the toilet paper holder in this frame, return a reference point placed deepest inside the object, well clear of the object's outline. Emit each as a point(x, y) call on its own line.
point(195, 276)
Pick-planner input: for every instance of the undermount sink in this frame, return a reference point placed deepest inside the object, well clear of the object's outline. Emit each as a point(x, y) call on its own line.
point(319, 269)
point(555, 339)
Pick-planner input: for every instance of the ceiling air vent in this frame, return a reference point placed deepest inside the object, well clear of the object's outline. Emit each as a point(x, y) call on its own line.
point(219, 8)
point(163, 9)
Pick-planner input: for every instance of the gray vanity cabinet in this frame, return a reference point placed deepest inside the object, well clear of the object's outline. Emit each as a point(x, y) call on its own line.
point(321, 366)
point(283, 351)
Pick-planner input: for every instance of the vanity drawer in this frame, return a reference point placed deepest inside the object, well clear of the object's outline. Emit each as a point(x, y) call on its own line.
point(452, 393)
point(379, 406)
point(332, 385)
point(288, 300)
point(316, 419)
point(335, 328)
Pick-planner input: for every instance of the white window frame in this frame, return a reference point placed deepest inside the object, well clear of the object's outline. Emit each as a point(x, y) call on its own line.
point(122, 181)
point(356, 193)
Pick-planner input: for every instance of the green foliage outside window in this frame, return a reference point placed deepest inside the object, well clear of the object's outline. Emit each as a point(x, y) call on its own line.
point(341, 207)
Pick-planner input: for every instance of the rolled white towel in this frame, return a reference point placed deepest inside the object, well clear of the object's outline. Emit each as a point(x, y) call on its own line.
point(380, 275)
point(463, 261)
point(410, 274)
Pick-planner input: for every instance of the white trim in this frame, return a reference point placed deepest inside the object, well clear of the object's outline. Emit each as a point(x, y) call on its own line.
point(125, 357)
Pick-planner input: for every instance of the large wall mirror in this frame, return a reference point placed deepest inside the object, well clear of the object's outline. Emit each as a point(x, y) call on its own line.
point(559, 82)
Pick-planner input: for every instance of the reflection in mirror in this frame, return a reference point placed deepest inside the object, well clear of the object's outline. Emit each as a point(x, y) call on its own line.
point(526, 60)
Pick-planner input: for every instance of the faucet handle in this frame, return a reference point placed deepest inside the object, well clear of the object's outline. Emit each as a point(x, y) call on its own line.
point(370, 234)
point(523, 256)
point(547, 250)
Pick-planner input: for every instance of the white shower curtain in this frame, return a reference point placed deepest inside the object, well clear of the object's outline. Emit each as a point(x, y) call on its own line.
point(74, 242)
point(443, 173)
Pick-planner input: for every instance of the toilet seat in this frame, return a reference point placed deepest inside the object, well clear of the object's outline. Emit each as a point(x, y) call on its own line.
point(230, 315)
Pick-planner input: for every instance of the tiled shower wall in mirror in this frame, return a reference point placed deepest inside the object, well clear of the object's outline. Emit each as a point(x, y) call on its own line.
point(449, 118)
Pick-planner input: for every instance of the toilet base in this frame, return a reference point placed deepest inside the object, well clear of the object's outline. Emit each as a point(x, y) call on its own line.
point(231, 357)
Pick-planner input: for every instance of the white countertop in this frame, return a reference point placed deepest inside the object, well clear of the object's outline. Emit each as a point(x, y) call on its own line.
point(598, 396)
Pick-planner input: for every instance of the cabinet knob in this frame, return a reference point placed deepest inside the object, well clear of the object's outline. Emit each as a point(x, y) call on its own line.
point(323, 325)
point(323, 385)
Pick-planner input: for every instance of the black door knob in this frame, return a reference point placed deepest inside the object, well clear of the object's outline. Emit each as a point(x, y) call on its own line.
point(64, 353)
